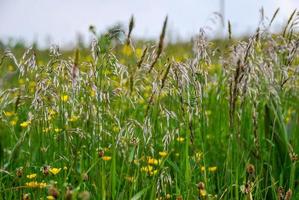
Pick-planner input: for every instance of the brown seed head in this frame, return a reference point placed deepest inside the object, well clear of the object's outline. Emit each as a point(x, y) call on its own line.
point(201, 186)
point(250, 169)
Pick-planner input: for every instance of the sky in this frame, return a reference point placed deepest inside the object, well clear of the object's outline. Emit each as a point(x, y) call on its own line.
point(60, 21)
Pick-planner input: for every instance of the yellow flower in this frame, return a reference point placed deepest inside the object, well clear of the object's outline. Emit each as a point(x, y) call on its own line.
point(212, 169)
point(50, 197)
point(46, 130)
point(52, 112)
point(163, 153)
point(92, 93)
point(57, 130)
point(10, 68)
point(21, 81)
point(139, 53)
point(127, 50)
point(148, 168)
point(55, 171)
point(152, 161)
point(31, 176)
point(106, 158)
point(198, 156)
point(32, 184)
point(25, 124)
point(13, 122)
point(42, 185)
point(151, 173)
point(73, 118)
point(8, 113)
point(64, 98)
point(203, 193)
point(202, 168)
point(180, 139)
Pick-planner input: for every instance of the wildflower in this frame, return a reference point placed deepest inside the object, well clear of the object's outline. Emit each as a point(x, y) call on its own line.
point(92, 93)
point(10, 68)
point(42, 185)
point(57, 130)
point(163, 154)
point(31, 176)
point(54, 170)
point(73, 118)
point(212, 169)
point(139, 52)
point(8, 113)
point(32, 184)
point(127, 50)
point(25, 124)
point(202, 190)
point(106, 158)
point(13, 122)
point(198, 156)
point(64, 98)
point(65, 168)
point(152, 161)
point(180, 139)
point(154, 172)
point(147, 168)
point(21, 81)
point(202, 168)
point(35, 184)
point(50, 197)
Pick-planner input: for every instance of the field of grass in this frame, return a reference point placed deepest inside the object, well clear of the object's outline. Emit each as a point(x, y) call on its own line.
point(211, 120)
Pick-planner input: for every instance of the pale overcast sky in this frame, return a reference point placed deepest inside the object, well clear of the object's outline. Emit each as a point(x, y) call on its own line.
point(61, 20)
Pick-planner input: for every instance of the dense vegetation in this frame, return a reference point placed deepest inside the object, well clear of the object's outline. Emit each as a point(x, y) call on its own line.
point(211, 120)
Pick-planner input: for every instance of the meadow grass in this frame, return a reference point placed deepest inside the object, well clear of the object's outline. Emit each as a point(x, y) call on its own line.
point(127, 122)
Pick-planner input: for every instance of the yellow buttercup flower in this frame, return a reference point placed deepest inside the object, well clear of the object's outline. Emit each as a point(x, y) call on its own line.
point(55, 171)
point(73, 118)
point(203, 193)
point(32, 184)
point(163, 153)
point(57, 130)
point(139, 53)
point(127, 50)
point(212, 169)
point(31, 176)
point(8, 113)
point(180, 139)
point(148, 168)
point(42, 185)
point(50, 197)
point(152, 161)
point(25, 124)
point(106, 158)
point(64, 98)
point(13, 122)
